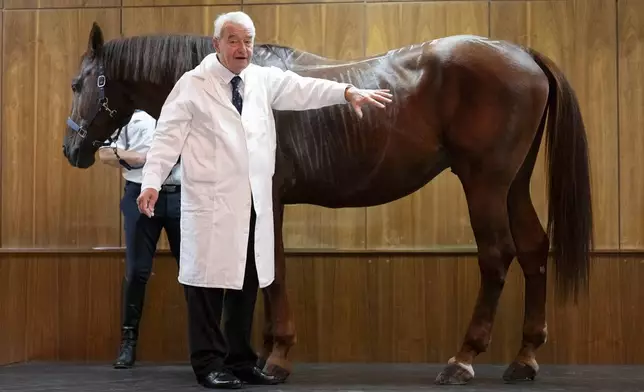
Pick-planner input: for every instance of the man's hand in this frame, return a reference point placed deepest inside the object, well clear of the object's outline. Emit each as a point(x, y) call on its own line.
point(146, 201)
point(358, 97)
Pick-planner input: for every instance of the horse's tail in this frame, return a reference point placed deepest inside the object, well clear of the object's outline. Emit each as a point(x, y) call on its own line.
point(570, 215)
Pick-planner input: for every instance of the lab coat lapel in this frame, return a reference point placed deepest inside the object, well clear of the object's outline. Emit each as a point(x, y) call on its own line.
point(248, 88)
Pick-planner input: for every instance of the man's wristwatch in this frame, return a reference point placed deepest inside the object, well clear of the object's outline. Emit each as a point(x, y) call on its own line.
point(122, 162)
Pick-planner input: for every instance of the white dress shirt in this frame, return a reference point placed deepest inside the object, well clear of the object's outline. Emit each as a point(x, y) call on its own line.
point(137, 136)
point(224, 78)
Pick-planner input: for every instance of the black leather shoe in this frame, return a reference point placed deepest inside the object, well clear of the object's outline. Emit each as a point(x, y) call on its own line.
point(221, 380)
point(254, 375)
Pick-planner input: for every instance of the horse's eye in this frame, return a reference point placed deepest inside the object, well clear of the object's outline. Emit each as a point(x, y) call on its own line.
point(75, 86)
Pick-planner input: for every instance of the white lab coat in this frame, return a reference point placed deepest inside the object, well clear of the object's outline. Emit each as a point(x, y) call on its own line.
point(225, 156)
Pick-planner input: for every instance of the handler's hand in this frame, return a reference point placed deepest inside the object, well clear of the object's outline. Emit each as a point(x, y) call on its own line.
point(146, 201)
point(358, 97)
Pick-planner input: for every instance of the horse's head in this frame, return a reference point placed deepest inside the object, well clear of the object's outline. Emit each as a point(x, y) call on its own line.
point(100, 105)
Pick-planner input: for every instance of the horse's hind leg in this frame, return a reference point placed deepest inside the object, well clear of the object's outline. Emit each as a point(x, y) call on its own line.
point(486, 196)
point(532, 246)
point(532, 252)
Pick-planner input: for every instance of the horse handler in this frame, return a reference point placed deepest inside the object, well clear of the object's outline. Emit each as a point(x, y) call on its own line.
point(142, 233)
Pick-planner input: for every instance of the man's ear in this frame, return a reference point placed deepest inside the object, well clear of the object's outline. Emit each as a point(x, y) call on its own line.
point(215, 44)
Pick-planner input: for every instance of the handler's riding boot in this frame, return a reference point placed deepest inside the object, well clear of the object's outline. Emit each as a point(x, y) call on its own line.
point(133, 295)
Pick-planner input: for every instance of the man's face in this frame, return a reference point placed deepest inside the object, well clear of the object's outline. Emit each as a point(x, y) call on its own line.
point(235, 47)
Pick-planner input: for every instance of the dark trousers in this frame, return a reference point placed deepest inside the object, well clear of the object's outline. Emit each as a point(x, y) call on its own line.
point(141, 237)
point(212, 349)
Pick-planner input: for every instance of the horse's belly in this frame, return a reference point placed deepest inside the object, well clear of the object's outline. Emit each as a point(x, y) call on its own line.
point(396, 177)
point(363, 179)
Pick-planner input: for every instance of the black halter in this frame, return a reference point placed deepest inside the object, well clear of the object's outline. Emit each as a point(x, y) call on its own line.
point(101, 105)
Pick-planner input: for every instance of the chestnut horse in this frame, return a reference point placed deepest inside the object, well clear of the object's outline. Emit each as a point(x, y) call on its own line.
point(471, 104)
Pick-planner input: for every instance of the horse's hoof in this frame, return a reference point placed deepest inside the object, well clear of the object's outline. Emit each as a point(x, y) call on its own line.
point(277, 371)
point(455, 374)
point(518, 372)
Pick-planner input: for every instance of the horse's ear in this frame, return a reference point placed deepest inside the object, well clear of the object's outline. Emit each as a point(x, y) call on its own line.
point(95, 44)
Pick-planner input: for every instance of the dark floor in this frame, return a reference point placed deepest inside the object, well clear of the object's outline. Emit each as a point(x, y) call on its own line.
point(314, 377)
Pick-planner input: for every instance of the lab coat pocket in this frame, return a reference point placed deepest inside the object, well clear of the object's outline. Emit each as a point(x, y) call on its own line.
point(200, 171)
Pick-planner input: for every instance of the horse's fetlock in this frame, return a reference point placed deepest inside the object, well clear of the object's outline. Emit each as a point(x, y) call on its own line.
point(535, 336)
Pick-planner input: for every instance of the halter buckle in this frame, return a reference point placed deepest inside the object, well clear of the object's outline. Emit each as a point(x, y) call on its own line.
point(100, 81)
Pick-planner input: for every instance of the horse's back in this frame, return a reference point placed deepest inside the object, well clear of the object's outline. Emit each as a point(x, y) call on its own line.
point(483, 53)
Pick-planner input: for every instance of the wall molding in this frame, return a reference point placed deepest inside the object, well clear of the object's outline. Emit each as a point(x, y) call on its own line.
point(294, 252)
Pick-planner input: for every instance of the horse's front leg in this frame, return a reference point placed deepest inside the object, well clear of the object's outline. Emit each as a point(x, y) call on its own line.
point(279, 312)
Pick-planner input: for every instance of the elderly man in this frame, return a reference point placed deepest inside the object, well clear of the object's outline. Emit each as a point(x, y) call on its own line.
point(228, 161)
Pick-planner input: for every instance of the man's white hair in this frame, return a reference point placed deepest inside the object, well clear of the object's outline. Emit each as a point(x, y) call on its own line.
point(237, 17)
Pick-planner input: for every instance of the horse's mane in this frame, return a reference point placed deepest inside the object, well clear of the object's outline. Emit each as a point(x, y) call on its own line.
point(161, 58)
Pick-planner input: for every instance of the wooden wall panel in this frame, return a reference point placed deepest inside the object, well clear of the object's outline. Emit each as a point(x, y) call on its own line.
point(437, 214)
point(631, 122)
point(174, 3)
point(330, 30)
point(13, 312)
point(1, 111)
point(18, 4)
point(46, 202)
point(298, 1)
point(347, 309)
point(191, 20)
point(580, 37)
point(19, 63)
point(59, 306)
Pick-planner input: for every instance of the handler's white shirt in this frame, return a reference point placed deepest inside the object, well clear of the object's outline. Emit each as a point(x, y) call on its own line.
point(225, 157)
point(137, 136)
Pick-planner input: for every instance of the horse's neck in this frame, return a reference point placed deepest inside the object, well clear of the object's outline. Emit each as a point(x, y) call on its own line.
point(149, 67)
point(149, 97)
